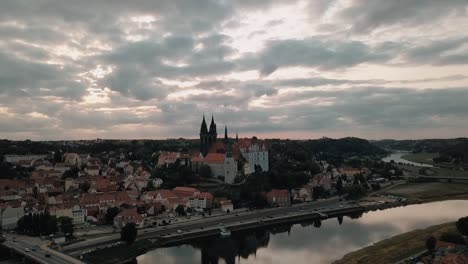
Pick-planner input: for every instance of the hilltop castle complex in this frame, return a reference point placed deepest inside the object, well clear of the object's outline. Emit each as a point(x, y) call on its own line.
point(224, 155)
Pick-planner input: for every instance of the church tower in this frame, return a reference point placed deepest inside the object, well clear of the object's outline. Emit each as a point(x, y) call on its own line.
point(204, 137)
point(213, 133)
point(226, 138)
point(207, 137)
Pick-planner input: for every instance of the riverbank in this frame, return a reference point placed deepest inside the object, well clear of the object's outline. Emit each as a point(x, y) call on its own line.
point(121, 253)
point(424, 158)
point(396, 248)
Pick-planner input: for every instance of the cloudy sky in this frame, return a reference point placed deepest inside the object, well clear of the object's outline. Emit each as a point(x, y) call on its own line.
point(291, 69)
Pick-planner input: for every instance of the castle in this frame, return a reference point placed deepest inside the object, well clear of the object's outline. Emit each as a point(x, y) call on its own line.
point(223, 155)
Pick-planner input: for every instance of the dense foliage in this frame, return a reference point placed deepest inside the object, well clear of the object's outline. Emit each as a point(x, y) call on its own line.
point(449, 150)
point(462, 225)
point(37, 225)
point(129, 233)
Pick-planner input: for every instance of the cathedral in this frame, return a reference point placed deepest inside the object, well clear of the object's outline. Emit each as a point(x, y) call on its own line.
point(209, 138)
point(222, 155)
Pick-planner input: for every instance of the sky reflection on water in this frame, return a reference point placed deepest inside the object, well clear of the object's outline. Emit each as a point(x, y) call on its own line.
point(305, 243)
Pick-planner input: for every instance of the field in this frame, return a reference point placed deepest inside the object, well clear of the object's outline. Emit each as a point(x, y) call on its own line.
point(395, 248)
point(414, 171)
point(425, 158)
point(428, 190)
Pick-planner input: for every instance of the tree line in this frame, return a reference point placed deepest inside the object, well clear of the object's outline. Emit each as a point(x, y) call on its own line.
point(44, 224)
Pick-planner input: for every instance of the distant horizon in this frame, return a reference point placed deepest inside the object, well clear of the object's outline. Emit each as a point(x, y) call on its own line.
point(260, 138)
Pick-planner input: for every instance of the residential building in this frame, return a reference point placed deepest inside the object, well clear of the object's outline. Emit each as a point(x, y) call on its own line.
point(78, 215)
point(255, 153)
point(17, 158)
point(226, 206)
point(221, 164)
point(71, 159)
point(166, 159)
point(128, 216)
point(9, 216)
point(93, 170)
point(277, 197)
point(203, 200)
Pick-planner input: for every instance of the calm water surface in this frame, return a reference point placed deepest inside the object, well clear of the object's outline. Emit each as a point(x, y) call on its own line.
point(306, 243)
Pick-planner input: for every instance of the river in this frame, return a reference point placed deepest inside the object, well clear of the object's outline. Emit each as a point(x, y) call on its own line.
point(308, 243)
point(397, 158)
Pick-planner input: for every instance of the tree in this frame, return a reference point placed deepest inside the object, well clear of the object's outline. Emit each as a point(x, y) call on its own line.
point(462, 225)
point(340, 219)
point(150, 186)
point(111, 214)
point(66, 225)
point(339, 185)
point(85, 186)
point(317, 192)
point(129, 233)
point(205, 171)
point(180, 210)
point(71, 173)
point(452, 238)
point(317, 223)
point(431, 244)
point(355, 192)
point(58, 156)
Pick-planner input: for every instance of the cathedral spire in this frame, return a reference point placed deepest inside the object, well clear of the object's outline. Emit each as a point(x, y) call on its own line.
point(225, 133)
point(213, 128)
point(237, 136)
point(203, 128)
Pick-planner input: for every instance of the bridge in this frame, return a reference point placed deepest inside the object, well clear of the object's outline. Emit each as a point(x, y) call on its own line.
point(36, 252)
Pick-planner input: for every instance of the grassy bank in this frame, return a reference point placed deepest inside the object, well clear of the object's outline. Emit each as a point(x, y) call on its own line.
point(395, 248)
point(429, 190)
point(425, 158)
point(414, 171)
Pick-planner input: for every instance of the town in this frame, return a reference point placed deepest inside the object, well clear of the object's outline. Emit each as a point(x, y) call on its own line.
point(126, 189)
point(68, 195)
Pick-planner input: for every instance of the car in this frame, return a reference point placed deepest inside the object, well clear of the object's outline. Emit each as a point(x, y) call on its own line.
point(179, 231)
point(33, 249)
point(47, 255)
point(27, 249)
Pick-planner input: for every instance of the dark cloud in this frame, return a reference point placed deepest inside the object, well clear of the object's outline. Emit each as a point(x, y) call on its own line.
point(366, 15)
point(26, 78)
point(314, 52)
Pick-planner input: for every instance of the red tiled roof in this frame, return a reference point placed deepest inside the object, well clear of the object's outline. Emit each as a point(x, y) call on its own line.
point(217, 147)
point(165, 194)
point(130, 214)
point(214, 158)
point(277, 193)
point(206, 195)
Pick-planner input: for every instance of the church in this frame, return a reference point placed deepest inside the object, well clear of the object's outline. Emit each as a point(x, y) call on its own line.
point(224, 155)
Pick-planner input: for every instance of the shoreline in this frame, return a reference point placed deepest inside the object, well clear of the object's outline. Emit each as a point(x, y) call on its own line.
point(395, 248)
point(347, 256)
